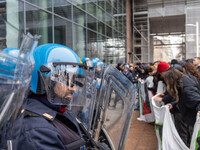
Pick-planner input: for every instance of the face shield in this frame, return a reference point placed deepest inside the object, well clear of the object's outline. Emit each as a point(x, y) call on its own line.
point(15, 77)
point(99, 69)
point(99, 66)
point(85, 112)
point(89, 63)
point(65, 83)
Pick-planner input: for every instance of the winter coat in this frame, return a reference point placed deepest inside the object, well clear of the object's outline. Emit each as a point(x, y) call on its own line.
point(189, 100)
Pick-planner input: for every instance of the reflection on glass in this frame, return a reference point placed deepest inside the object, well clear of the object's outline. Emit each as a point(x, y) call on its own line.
point(3, 34)
point(46, 4)
point(39, 23)
point(91, 23)
point(121, 19)
point(108, 19)
point(108, 31)
point(100, 13)
point(116, 4)
point(116, 23)
point(108, 8)
point(21, 15)
point(113, 3)
point(116, 51)
point(124, 7)
point(99, 19)
point(101, 3)
point(101, 46)
point(120, 28)
point(92, 44)
point(115, 34)
point(121, 47)
point(79, 16)
point(115, 117)
point(111, 50)
point(120, 8)
point(62, 8)
point(101, 27)
point(114, 11)
point(79, 40)
point(10, 12)
point(113, 24)
point(63, 32)
point(91, 8)
point(124, 24)
point(79, 3)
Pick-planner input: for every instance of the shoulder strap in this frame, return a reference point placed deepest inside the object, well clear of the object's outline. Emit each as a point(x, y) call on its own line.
point(46, 116)
point(30, 114)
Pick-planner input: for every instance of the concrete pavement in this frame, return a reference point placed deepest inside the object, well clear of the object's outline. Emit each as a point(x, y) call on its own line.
point(141, 135)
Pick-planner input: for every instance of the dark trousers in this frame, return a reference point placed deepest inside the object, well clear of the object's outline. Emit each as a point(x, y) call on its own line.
point(183, 129)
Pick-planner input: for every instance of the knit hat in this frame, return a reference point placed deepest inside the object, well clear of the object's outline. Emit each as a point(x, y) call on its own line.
point(162, 66)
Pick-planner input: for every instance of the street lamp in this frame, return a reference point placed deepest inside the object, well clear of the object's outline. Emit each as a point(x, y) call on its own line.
point(197, 36)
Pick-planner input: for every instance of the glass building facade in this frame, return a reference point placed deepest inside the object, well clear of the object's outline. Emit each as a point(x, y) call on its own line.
point(92, 28)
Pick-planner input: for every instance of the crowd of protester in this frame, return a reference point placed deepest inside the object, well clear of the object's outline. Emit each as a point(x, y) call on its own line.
point(182, 81)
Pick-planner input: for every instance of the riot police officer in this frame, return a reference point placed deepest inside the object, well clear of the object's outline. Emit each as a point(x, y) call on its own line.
point(16, 66)
point(57, 81)
point(87, 62)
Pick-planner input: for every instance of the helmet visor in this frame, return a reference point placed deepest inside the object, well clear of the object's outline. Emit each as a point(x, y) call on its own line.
point(89, 63)
point(65, 84)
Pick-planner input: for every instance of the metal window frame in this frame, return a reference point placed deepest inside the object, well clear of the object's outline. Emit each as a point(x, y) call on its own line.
point(120, 34)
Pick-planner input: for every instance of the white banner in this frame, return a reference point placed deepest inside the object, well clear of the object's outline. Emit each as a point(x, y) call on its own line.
point(144, 98)
point(167, 135)
point(196, 135)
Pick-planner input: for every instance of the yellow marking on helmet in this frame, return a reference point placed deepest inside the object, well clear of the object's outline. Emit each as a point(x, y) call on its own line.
point(47, 115)
point(22, 111)
point(80, 59)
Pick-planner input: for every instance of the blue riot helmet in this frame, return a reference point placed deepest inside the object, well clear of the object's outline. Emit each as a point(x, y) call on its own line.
point(101, 65)
point(87, 62)
point(8, 61)
point(15, 77)
point(95, 61)
point(59, 74)
point(99, 69)
point(14, 52)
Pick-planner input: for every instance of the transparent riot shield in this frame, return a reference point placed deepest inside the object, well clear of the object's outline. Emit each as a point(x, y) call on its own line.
point(88, 110)
point(116, 103)
point(85, 113)
point(16, 66)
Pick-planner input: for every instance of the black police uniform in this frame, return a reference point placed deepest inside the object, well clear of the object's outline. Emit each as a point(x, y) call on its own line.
point(45, 128)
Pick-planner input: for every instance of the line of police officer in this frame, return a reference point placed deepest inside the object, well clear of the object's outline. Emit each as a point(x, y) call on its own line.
point(42, 120)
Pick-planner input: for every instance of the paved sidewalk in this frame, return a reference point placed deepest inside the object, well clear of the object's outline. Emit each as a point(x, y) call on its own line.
point(141, 135)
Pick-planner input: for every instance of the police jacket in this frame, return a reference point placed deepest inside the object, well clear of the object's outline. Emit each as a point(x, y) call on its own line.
point(189, 100)
point(44, 128)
